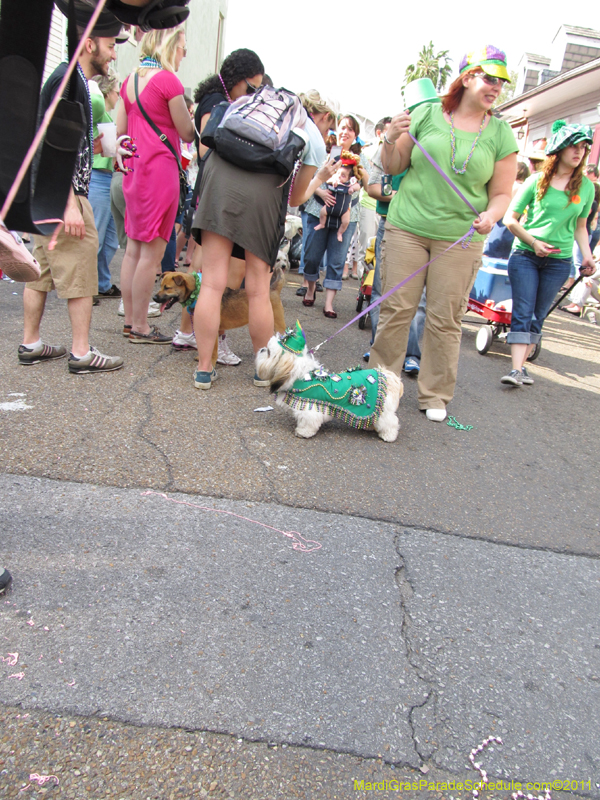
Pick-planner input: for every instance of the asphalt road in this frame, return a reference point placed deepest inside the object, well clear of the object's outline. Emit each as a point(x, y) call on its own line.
point(454, 595)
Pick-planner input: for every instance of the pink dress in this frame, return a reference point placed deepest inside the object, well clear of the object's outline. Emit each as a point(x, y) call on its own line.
point(152, 191)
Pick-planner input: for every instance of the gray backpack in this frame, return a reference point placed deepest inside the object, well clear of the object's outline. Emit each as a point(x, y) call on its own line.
point(263, 132)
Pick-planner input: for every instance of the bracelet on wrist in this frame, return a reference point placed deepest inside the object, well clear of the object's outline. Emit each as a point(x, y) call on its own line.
point(386, 140)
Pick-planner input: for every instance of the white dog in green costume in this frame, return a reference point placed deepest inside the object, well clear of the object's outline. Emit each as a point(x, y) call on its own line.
point(363, 398)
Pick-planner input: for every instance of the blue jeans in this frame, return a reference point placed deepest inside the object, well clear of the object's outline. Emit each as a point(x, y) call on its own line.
point(108, 243)
point(168, 260)
point(314, 246)
point(376, 290)
point(534, 282)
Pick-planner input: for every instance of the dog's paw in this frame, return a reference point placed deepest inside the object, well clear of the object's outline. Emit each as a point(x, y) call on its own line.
point(389, 433)
point(305, 433)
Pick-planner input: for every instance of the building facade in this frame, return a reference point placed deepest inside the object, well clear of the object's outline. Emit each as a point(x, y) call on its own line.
point(564, 85)
point(205, 32)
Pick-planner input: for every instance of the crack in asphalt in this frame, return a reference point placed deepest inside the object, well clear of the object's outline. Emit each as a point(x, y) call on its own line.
point(405, 591)
point(140, 431)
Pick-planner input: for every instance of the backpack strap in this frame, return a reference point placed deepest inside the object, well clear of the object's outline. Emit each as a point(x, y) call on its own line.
point(162, 136)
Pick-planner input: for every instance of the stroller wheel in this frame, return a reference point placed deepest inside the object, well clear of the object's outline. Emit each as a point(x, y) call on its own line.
point(484, 339)
point(359, 302)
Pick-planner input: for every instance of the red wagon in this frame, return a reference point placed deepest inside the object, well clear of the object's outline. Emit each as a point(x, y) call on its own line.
point(492, 289)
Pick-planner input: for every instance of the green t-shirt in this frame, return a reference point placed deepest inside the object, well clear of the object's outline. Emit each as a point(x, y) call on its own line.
point(552, 219)
point(383, 205)
point(427, 206)
point(99, 114)
point(366, 201)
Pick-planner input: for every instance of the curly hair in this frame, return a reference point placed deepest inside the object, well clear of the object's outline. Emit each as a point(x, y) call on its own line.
point(549, 168)
point(238, 66)
point(348, 155)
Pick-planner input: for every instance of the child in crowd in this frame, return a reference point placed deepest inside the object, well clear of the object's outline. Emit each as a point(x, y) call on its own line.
point(343, 184)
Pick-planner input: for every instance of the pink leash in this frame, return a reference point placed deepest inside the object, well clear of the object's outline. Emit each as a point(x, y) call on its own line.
point(299, 542)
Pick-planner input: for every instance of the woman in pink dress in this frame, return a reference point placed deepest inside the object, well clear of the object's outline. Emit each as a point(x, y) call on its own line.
point(152, 190)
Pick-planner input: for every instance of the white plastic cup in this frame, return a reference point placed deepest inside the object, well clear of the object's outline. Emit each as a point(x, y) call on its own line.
point(109, 138)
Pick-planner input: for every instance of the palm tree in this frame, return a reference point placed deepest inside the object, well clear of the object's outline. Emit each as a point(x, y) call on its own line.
point(435, 66)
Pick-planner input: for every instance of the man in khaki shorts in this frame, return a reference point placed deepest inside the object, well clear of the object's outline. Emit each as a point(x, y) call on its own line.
point(70, 267)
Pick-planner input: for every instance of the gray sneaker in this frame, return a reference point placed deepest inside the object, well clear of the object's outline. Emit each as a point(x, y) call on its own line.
point(526, 377)
point(95, 361)
point(514, 378)
point(45, 352)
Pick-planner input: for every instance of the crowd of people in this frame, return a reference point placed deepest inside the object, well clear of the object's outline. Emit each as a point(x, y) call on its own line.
point(427, 236)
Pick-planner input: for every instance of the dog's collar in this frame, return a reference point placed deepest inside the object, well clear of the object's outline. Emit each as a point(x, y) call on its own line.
point(191, 301)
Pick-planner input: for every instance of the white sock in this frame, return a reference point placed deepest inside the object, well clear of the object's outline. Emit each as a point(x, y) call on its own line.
point(34, 345)
point(83, 356)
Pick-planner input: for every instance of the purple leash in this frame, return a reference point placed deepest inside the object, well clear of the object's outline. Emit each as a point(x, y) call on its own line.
point(464, 240)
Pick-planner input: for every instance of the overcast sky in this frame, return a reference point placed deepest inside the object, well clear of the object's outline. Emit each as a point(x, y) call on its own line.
point(356, 55)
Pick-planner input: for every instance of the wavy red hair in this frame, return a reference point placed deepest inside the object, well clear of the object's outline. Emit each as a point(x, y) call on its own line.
point(549, 169)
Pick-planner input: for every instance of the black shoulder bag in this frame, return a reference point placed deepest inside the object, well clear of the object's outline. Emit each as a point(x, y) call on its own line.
point(183, 184)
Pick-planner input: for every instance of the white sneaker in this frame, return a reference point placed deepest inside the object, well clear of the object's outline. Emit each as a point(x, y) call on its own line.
point(226, 355)
point(153, 309)
point(184, 341)
point(436, 414)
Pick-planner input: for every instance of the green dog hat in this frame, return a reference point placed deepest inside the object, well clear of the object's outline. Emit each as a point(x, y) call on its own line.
point(294, 341)
point(565, 134)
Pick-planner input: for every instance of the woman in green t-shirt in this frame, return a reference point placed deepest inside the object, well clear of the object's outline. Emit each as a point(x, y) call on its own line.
point(558, 200)
point(426, 216)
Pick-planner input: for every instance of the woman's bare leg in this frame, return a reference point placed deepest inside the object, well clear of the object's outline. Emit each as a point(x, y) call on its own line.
point(216, 252)
point(144, 277)
point(130, 260)
point(260, 311)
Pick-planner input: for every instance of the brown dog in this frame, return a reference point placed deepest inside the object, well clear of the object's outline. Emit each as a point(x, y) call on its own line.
point(176, 287)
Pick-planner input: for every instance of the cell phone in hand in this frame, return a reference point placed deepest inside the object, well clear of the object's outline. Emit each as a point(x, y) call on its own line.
point(553, 250)
point(336, 152)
